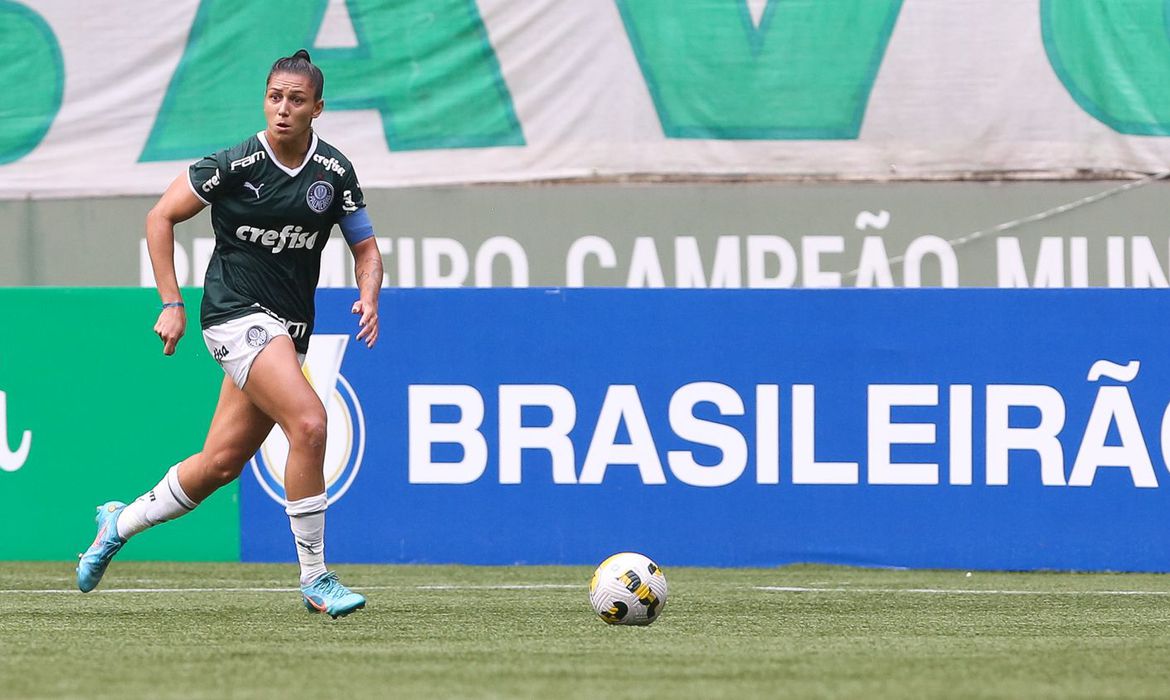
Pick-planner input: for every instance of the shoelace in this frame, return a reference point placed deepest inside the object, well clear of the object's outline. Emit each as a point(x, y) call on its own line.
point(329, 585)
point(105, 548)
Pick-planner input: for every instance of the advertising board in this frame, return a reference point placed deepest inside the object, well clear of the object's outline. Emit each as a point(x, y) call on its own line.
point(91, 411)
point(991, 429)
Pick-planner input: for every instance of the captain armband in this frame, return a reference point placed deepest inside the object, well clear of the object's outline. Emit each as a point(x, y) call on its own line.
point(356, 227)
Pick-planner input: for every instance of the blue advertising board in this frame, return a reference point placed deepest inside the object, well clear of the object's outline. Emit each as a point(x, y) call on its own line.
point(982, 429)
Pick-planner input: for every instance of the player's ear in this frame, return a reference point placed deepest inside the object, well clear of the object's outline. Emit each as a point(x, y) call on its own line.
point(317, 109)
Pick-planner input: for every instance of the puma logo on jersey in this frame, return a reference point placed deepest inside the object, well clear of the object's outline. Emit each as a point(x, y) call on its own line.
point(288, 238)
point(248, 160)
point(254, 188)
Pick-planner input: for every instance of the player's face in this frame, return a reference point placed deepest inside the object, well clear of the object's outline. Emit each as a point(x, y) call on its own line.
point(289, 107)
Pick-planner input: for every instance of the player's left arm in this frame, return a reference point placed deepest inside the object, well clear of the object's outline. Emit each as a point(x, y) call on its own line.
point(358, 230)
point(367, 268)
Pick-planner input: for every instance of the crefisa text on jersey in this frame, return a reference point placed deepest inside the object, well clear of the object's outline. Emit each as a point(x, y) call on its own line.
point(288, 238)
point(1089, 446)
point(329, 163)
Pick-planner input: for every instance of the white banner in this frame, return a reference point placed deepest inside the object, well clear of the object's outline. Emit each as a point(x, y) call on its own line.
point(116, 98)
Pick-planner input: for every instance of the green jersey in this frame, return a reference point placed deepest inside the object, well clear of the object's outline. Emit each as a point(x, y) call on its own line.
point(271, 224)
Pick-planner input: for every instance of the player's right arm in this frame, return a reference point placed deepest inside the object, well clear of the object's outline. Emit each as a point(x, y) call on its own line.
point(178, 203)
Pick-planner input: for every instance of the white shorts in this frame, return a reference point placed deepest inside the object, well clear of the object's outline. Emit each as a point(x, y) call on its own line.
point(235, 344)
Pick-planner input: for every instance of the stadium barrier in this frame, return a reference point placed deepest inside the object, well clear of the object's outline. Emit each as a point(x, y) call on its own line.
point(979, 429)
point(758, 235)
point(92, 411)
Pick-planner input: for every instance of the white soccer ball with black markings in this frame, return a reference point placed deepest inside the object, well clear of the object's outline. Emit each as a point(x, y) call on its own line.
point(628, 589)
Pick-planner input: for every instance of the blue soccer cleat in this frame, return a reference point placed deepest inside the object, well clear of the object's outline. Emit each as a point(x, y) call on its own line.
point(329, 596)
point(107, 543)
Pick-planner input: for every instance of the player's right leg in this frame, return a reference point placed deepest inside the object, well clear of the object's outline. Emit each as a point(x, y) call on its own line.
point(237, 430)
point(91, 565)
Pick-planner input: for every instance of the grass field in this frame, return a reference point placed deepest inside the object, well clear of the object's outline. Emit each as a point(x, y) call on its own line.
point(234, 630)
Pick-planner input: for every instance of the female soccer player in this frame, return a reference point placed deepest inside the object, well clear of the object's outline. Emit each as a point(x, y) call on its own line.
point(274, 200)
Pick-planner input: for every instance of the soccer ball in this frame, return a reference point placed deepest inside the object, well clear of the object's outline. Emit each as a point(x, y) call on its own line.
point(628, 589)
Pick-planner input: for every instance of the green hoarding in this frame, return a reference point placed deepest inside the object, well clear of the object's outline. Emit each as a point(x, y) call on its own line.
point(95, 412)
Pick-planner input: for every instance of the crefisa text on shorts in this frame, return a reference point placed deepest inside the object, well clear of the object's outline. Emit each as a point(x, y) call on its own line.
point(1112, 437)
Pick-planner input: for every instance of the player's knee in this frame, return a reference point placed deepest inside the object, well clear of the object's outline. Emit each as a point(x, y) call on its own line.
point(224, 466)
point(309, 430)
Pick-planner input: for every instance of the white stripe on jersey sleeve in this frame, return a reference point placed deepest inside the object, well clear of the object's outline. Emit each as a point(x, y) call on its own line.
point(194, 190)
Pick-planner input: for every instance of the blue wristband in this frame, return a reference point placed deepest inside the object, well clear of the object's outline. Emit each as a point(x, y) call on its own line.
point(173, 305)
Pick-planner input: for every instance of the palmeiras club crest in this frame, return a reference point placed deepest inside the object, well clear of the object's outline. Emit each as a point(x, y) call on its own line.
point(319, 196)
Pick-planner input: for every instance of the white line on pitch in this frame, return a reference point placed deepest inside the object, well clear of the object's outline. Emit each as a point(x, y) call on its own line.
point(439, 587)
point(950, 591)
point(151, 590)
point(500, 587)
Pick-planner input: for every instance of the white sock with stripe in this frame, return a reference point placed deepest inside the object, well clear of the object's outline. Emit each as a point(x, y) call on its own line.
point(306, 517)
point(164, 502)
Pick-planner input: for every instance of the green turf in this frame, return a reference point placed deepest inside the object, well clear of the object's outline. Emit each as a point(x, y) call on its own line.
point(863, 635)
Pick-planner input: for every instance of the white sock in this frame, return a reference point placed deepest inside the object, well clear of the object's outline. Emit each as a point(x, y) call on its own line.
point(158, 505)
point(306, 517)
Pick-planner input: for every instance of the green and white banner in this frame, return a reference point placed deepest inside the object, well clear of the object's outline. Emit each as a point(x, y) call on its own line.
point(115, 97)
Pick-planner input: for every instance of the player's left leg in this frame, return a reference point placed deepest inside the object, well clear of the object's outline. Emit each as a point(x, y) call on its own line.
point(278, 387)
